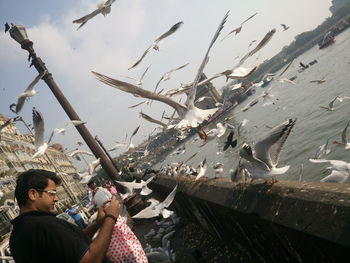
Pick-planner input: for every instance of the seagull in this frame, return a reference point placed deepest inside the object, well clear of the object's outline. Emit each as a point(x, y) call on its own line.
point(40, 144)
point(117, 146)
point(84, 177)
point(251, 43)
point(218, 168)
point(131, 186)
point(202, 167)
point(73, 122)
point(339, 170)
point(240, 125)
point(155, 45)
point(330, 105)
point(286, 68)
point(261, 44)
point(150, 119)
point(93, 165)
point(140, 81)
point(230, 142)
point(102, 8)
point(218, 132)
point(285, 80)
point(166, 75)
point(323, 149)
point(238, 29)
point(76, 152)
point(318, 81)
point(341, 99)
point(157, 208)
point(344, 140)
point(29, 92)
point(284, 27)
point(261, 161)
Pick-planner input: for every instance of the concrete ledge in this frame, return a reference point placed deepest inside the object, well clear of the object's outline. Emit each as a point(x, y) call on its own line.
point(295, 221)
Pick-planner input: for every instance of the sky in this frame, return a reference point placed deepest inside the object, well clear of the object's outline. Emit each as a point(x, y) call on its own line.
point(111, 44)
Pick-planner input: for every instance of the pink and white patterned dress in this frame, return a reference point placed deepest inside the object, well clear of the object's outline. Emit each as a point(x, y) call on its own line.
point(124, 246)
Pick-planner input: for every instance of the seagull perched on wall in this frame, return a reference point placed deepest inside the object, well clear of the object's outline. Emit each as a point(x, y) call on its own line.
point(157, 208)
point(29, 92)
point(102, 8)
point(262, 160)
point(155, 44)
point(344, 140)
point(238, 29)
point(166, 75)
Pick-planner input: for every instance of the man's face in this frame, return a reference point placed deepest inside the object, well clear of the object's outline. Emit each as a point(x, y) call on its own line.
point(46, 198)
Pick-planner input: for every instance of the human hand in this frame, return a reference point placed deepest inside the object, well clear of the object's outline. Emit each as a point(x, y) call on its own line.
point(113, 208)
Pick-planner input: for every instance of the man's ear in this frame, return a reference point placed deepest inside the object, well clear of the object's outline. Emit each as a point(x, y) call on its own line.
point(32, 194)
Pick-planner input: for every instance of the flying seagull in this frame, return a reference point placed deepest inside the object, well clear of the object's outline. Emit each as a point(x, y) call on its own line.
point(238, 29)
point(140, 81)
point(261, 161)
point(131, 186)
point(330, 105)
point(155, 45)
point(139, 92)
point(29, 92)
point(76, 152)
point(202, 167)
point(102, 8)
point(323, 149)
point(150, 119)
point(156, 208)
point(73, 122)
point(339, 170)
point(344, 140)
point(284, 27)
point(39, 129)
point(230, 142)
point(166, 75)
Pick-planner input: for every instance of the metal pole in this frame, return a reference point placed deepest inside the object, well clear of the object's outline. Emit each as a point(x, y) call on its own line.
point(84, 132)
point(107, 153)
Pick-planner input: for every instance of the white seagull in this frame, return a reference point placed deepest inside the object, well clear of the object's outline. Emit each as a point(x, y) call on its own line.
point(39, 129)
point(76, 152)
point(131, 186)
point(202, 167)
point(261, 161)
point(344, 140)
point(157, 208)
point(29, 92)
point(166, 75)
point(155, 45)
point(339, 170)
point(140, 81)
point(238, 29)
point(284, 27)
point(73, 122)
point(102, 8)
point(330, 105)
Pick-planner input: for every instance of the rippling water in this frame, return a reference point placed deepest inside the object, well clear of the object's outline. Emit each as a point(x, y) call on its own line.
point(314, 125)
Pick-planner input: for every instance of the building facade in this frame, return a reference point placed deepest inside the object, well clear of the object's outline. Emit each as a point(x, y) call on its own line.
point(16, 150)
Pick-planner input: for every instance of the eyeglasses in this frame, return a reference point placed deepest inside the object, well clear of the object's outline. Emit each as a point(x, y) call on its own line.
point(50, 192)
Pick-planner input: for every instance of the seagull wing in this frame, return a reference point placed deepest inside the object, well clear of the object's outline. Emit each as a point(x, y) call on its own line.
point(159, 81)
point(331, 104)
point(336, 177)
point(129, 185)
point(20, 102)
point(127, 87)
point(261, 44)
point(268, 149)
point(169, 199)
point(87, 17)
point(192, 93)
point(344, 139)
point(181, 67)
point(38, 122)
point(172, 30)
point(150, 119)
point(143, 74)
point(117, 146)
point(249, 18)
point(290, 63)
point(149, 211)
point(143, 55)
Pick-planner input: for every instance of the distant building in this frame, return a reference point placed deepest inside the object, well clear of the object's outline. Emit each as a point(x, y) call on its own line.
point(16, 150)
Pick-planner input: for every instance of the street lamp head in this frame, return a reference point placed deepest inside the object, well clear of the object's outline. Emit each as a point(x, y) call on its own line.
point(19, 34)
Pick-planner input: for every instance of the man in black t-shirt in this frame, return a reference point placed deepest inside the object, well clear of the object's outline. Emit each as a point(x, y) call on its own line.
point(38, 236)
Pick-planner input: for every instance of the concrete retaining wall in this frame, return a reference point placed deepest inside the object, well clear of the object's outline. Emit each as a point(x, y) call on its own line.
point(293, 222)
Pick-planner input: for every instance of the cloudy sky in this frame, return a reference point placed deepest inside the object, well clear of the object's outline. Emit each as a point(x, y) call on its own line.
point(111, 44)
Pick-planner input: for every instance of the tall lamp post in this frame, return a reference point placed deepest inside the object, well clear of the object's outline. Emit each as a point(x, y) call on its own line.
point(19, 34)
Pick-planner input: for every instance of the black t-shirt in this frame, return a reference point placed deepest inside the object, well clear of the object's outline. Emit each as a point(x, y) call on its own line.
point(42, 237)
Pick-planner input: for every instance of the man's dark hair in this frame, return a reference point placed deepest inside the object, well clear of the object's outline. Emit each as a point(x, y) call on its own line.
point(33, 178)
point(91, 182)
